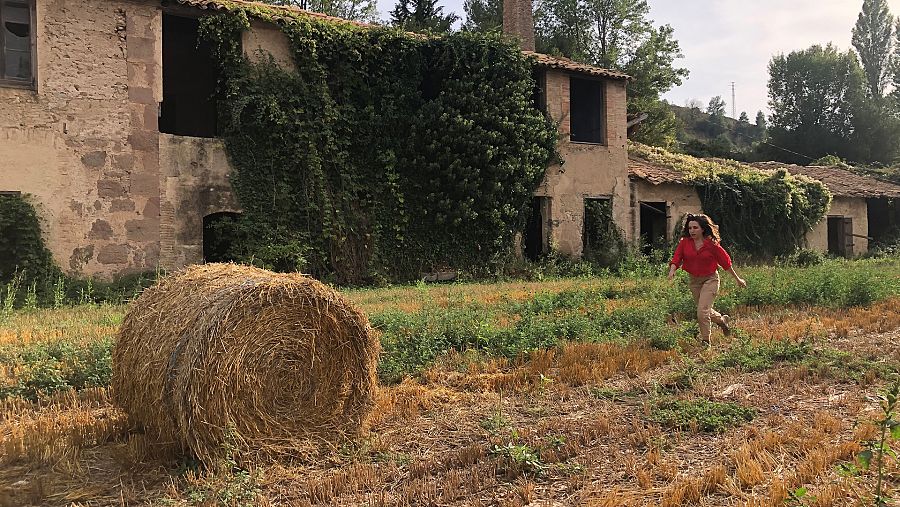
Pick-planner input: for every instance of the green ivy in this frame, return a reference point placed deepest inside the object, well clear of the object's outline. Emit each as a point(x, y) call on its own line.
point(763, 213)
point(24, 259)
point(382, 154)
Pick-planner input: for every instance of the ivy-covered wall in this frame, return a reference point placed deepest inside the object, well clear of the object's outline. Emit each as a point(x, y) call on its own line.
point(380, 154)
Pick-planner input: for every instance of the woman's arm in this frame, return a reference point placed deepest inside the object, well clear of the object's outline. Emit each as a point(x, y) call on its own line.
point(672, 269)
point(740, 281)
point(677, 259)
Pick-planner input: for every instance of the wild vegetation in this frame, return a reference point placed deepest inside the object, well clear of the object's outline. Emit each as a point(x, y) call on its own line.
point(583, 391)
point(421, 154)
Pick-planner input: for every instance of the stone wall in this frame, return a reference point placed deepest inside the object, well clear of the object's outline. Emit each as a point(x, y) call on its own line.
point(81, 143)
point(195, 184)
point(588, 170)
point(849, 207)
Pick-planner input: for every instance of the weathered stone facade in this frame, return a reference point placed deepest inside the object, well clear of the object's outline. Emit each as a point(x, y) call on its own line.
point(117, 196)
point(588, 170)
point(83, 142)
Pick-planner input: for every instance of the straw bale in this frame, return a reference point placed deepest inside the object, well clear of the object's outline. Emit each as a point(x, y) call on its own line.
point(223, 355)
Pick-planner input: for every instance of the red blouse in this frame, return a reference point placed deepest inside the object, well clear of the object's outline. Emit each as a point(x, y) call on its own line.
point(702, 262)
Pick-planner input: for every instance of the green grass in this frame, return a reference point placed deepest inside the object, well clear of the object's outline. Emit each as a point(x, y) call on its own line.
point(69, 348)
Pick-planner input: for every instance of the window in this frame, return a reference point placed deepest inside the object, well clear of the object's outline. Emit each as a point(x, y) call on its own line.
point(602, 240)
point(190, 75)
point(536, 239)
point(586, 111)
point(653, 226)
point(16, 42)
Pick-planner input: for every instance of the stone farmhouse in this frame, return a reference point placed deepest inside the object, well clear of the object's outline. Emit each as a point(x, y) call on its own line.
point(107, 120)
point(863, 209)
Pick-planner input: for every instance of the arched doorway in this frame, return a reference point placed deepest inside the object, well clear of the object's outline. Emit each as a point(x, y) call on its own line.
point(218, 235)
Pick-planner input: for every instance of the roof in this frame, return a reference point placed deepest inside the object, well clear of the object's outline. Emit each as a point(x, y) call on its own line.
point(839, 181)
point(557, 62)
point(653, 173)
point(554, 62)
point(224, 5)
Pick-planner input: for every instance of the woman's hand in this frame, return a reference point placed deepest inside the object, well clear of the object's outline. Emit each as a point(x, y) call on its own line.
point(741, 282)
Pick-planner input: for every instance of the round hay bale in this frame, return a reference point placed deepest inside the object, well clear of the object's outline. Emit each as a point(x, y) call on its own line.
point(223, 355)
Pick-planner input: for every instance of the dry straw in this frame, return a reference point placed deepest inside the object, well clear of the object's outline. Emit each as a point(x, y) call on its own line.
point(221, 356)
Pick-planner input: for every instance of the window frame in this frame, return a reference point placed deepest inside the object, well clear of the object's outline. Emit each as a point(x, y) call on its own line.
point(604, 114)
point(6, 82)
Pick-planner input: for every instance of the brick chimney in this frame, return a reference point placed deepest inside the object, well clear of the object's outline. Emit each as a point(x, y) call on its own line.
point(518, 21)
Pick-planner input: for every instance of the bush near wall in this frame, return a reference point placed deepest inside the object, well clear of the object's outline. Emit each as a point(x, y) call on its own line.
point(23, 255)
point(385, 154)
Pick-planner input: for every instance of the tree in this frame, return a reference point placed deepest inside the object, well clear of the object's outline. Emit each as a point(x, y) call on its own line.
point(357, 10)
point(872, 40)
point(743, 118)
point(617, 34)
point(422, 16)
point(813, 94)
point(761, 127)
point(716, 106)
point(483, 15)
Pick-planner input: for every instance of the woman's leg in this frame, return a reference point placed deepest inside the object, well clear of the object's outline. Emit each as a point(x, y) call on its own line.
point(705, 312)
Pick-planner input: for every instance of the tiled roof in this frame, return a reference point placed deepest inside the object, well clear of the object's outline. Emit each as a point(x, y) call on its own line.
point(542, 59)
point(653, 173)
point(556, 62)
point(839, 181)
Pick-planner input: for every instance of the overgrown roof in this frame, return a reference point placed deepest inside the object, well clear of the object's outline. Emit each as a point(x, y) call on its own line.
point(547, 61)
point(657, 166)
point(840, 181)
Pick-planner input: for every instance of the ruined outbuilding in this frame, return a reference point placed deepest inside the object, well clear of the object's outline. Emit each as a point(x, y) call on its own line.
point(863, 209)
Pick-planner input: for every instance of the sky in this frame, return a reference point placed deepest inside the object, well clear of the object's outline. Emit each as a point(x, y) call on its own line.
point(725, 41)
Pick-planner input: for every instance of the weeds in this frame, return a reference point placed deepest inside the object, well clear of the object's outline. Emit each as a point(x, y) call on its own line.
point(700, 415)
point(888, 428)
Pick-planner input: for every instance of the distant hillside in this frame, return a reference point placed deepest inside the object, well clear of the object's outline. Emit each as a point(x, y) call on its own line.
point(703, 135)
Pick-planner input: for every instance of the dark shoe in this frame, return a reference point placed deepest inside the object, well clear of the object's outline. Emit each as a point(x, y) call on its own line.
point(726, 329)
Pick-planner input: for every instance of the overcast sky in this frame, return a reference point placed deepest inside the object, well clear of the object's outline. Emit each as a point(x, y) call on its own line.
point(733, 40)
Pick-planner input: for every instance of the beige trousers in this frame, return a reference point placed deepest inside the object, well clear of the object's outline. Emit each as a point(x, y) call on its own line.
point(704, 289)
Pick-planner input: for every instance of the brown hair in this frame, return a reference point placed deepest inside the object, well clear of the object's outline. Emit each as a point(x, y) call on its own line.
point(710, 229)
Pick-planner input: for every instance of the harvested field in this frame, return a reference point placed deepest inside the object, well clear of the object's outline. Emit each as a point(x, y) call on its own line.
point(780, 408)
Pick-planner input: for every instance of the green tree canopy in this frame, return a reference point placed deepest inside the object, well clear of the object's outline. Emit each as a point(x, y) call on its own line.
point(872, 40)
point(483, 15)
point(813, 94)
point(422, 16)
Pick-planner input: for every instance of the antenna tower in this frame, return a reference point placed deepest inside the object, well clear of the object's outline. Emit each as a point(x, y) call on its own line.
point(733, 105)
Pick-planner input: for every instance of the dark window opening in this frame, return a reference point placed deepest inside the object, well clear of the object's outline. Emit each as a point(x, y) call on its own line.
point(884, 221)
point(539, 93)
point(190, 76)
point(654, 222)
point(219, 232)
point(17, 42)
point(586, 111)
point(602, 241)
point(840, 236)
point(537, 230)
